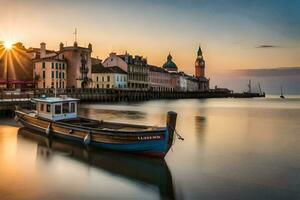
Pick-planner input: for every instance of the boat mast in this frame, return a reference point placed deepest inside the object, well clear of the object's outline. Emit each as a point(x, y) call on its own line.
point(249, 86)
point(259, 88)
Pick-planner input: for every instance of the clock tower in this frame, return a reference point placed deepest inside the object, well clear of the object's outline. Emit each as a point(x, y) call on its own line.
point(199, 64)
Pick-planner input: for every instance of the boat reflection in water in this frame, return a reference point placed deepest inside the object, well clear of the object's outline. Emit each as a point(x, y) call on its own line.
point(144, 170)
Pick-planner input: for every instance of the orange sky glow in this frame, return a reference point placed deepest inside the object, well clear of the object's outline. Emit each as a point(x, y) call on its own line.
point(229, 40)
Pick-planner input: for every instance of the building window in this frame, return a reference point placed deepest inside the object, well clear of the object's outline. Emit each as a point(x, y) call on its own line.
point(107, 85)
point(44, 65)
point(102, 78)
point(72, 107)
point(63, 75)
point(52, 85)
point(59, 74)
point(97, 85)
point(52, 74)
point(48, 108)
point(97, 79)
point(57, 109)
point(59, 65)
point(52, 65)
point(44, 74)
point(56, 74)
point(63, 83)
point(65, 107)
point(56, 65)
point(42, 107)
point(63, 66)
point(108, 78)
point(117, 78)
point(44, 85)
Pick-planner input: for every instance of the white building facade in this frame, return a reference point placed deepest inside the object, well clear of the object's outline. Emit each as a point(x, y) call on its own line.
point(108, 77)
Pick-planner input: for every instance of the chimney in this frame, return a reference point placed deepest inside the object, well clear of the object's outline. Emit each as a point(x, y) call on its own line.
point(43, 49)
point(112, 54)
point(61, 46)
point(90, 47)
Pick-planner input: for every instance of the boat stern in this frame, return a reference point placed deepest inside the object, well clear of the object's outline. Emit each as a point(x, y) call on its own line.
point(170, 129)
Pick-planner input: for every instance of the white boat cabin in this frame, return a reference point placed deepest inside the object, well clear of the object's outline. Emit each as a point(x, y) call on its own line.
point(56, 108)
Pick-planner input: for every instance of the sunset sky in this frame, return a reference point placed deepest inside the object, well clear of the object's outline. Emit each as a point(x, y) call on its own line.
point(233, 33)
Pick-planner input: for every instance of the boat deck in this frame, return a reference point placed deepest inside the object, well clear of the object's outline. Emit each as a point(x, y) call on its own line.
point(107, 125)
point(99, 124)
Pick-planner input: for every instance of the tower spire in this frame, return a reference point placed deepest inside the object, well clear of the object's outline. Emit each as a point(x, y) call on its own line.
point(199, 53)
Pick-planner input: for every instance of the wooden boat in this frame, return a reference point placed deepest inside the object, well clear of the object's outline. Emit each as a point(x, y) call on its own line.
point(57, 117)
point(133, 168)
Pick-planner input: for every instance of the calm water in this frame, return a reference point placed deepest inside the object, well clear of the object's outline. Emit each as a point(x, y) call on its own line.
point(233, 149)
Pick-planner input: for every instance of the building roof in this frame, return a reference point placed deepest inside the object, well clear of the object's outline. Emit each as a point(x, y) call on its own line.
point(157, 69)
point(170, 65)
point(54, 99)
point(202, 79)
point(50, 58)
point(37, 50)
point(99, 68)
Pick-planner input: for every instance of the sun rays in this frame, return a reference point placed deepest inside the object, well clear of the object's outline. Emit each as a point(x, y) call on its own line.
point(13, 61)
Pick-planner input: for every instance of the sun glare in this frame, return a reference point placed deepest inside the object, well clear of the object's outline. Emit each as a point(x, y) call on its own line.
point(8, 44)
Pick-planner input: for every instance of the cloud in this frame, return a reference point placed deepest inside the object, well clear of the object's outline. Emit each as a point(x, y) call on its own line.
point(262, 46)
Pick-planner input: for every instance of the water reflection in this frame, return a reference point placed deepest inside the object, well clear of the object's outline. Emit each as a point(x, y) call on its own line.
point(200, 129)
point(126, 114)
point(149, 171)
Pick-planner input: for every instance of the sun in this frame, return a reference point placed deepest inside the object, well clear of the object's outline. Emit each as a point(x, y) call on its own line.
point(8, 44)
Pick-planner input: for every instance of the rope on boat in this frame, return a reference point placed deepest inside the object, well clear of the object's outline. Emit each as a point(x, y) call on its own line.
point(87, 138)
point(176, 133)
point(48, 129)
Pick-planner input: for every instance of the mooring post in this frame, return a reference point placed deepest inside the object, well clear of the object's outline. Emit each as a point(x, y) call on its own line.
point(171, 124)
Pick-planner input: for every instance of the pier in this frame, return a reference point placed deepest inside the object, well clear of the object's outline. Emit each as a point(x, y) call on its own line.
point(8, 100)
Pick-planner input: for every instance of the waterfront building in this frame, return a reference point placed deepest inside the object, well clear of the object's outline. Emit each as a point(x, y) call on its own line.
point(79, 65)
point(15, 67)
point(136, 68)
point(203, 82)
point(108, 77)
point(115, 60)
point(192, 84)
point(77, 61)
point(175, 81)
point(183, 86)
point(50, 72)
point(199, 64)
point(159, 79)
point(49, 68)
